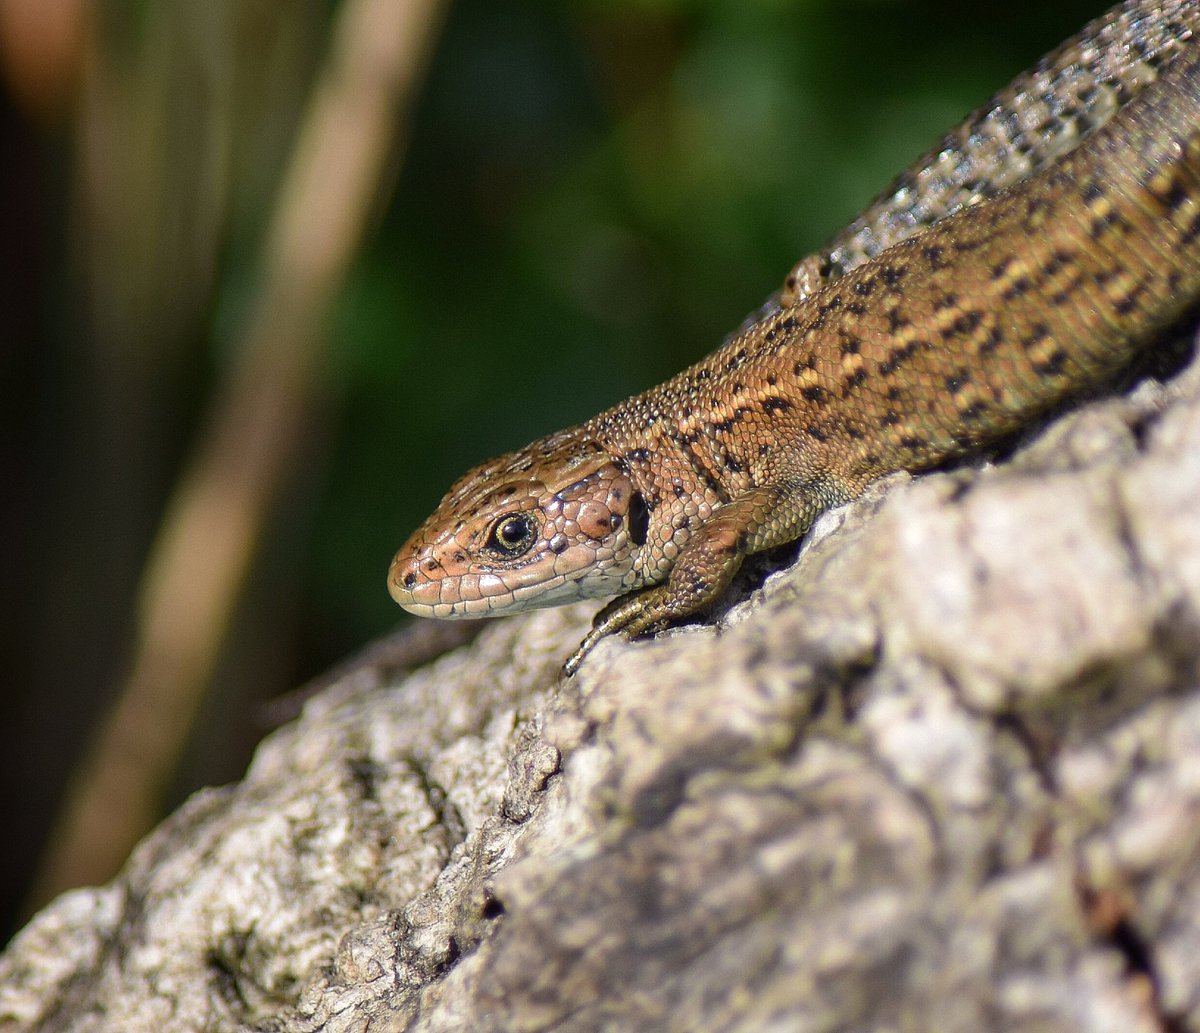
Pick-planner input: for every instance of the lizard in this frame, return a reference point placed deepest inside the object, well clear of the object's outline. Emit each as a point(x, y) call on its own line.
point(945, 318)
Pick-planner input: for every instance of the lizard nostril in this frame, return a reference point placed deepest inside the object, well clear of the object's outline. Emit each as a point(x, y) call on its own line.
point(410, 579)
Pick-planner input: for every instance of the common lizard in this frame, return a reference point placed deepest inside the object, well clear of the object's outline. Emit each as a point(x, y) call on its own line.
point(955, 310)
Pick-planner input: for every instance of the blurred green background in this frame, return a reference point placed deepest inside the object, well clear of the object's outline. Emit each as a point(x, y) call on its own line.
point(584, 197)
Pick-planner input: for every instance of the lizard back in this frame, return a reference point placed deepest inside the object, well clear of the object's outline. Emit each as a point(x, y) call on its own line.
point(957, 336)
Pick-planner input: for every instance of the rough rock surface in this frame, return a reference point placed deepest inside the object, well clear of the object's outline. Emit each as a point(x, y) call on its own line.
point(943, 773)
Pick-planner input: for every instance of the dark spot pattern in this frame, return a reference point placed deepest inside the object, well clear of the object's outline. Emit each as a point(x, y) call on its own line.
point(896, 321)
point(1019, 287)
point(855, 379)
point(813, 393)
point(965, 325)
point(1054, 364)
point(994, 339)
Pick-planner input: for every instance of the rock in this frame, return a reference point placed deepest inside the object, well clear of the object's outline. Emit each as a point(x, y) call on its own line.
point(942, 773)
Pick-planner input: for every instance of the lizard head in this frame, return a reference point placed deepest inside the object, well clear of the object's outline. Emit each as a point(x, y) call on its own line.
point(554, 522)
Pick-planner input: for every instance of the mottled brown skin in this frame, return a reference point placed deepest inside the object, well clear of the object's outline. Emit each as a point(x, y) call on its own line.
point(935, 347)
point(1035, 120)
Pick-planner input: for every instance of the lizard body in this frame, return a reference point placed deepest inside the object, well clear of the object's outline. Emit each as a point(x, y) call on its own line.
point(951, 337)
point(1040, 116)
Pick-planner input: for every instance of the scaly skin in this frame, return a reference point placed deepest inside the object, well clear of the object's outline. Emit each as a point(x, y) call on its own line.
point(933, 348)
point(1039, 117)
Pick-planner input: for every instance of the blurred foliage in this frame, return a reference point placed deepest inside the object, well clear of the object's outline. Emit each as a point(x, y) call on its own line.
point(591, 196)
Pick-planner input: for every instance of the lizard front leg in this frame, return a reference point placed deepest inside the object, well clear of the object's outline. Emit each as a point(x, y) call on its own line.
point(758, 519)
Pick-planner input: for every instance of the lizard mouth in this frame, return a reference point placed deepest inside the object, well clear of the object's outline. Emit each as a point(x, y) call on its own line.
point(414, 583)
point(421, 586)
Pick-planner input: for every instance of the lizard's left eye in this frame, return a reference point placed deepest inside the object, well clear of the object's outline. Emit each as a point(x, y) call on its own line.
point(512, 535)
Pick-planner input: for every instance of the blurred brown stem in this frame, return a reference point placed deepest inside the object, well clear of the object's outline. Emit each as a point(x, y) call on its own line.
point(250, 445)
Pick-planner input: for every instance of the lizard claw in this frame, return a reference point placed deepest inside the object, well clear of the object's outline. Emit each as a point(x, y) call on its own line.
point(628, 616)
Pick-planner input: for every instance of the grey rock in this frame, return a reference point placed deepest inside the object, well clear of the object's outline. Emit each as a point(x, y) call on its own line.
point(941, 774)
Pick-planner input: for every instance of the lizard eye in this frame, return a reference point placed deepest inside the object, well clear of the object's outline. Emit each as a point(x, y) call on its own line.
point(512, 535)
